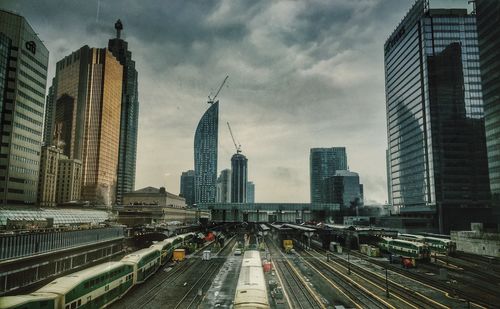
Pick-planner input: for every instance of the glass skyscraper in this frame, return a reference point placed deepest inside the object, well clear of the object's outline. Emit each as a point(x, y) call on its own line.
point(488, 26)
point(127, 153)
point(323, 163)
point(187, 186)
point(224, 186)
point(23, 78)
point(250, 192)
point(205, 155)
point(239, 178)
point(435, 122)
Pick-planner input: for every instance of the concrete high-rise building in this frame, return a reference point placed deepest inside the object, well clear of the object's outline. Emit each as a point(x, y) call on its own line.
point(129, 116)
point(48, 124)
point(205, 155)
point(69, 180)
point(47, 184)
point(224, 187)
point(239, 178)
point(323, 162)
point(250, 192)
point(488, 27)
point(187, 187)
point(435, 122)
point(23, 77)
point(344, 189)
point(87, 118)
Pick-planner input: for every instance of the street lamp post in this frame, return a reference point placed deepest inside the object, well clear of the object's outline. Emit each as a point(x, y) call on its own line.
point(386, 284)
point(348, 262)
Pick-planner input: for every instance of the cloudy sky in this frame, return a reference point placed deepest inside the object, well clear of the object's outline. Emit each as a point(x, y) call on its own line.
point(302, 74)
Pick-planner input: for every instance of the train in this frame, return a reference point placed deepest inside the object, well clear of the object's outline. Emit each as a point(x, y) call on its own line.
point(251, 290)
point(405, 248)
point(435, 244)
point(287, 245)
point(100, 285)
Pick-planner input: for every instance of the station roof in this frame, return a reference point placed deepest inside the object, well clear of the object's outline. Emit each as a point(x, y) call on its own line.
point(61, 216)
point(271, 206)
point(264, 227)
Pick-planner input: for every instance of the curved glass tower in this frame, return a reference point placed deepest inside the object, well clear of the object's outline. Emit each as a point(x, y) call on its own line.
point(205, 156)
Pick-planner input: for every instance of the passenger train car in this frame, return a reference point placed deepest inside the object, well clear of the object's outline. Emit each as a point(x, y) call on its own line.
point(405, 248)
point(251, 290)
point(97, 286)
point(439, 245)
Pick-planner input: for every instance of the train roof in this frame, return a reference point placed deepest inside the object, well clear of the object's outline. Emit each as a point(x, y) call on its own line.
point(417, 244)
point(138, 255)
point(438, 239)
point(251, 287)
point(161, 244)
point(411, 235)
point(65, 284)
point(14, 301)
point(251, 254)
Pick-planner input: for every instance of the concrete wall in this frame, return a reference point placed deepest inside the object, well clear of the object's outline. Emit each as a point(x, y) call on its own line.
point(477, 242)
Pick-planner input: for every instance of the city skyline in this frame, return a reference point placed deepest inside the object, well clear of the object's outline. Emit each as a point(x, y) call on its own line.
point(261, 84)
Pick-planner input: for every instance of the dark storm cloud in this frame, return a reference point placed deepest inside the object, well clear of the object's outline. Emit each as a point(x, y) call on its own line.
point(302, 74)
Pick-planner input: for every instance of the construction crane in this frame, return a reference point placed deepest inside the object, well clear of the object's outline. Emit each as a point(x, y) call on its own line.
point(236, 145)
point(212, 100)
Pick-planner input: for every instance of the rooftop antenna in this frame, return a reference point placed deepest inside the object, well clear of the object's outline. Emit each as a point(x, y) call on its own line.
point(119, 28)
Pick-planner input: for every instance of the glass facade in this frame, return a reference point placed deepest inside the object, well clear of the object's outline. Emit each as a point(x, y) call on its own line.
point(323, 163)
point(343, 189)
point(23, 105)
point(435, 112)
point(87, 118)
point(129, 117)
point(205, 156)
point(488, 24)
point(187, 186)
point(224, 187)
point(239, 178)
point(250, 192)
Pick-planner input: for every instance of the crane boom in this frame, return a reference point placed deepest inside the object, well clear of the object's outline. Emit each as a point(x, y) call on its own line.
point(236, 145)
point(211, 100)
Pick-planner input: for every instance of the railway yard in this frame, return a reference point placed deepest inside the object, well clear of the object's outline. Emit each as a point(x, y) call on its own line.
point(258, 267)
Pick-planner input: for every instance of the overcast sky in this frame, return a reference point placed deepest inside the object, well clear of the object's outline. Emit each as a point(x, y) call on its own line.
point(302, 74)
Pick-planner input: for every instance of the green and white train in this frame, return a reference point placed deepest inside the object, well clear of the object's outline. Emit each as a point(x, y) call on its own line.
point(98, 286)
point(405, 248)
point(439, 245)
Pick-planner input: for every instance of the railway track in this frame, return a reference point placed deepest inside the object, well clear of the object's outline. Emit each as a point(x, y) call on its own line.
point(193, 296)
point(300, 295)
point(357, 294)
point(171, 276)
point(405, 294)
point(478, 299)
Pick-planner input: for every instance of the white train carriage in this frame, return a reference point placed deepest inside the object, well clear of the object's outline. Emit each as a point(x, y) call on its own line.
point(30, 301)
point(166, 248)
point(251, 290)
point(94, 287)
point(145, 263)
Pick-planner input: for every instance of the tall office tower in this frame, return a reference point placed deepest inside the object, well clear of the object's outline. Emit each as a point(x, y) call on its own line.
point(205, 156)
point(323, 162)
point(23, 78)
point(250, 192)
point(87, 118)
point(344, 189)
point(47, 183)
point(129, 116)
point(435, 120)
point(224, 187)
point(69, 180)
point(388, 175)
point(239, 178)
point(488, 27)
point(48, 124)
point(187, 187)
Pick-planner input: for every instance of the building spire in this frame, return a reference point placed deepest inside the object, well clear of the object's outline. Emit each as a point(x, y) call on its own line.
point(119, 28)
